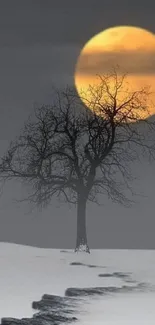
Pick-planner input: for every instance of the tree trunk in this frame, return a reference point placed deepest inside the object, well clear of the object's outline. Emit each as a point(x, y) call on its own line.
point(81, 240)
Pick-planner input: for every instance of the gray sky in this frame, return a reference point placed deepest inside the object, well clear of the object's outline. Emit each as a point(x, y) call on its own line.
point(39, 45)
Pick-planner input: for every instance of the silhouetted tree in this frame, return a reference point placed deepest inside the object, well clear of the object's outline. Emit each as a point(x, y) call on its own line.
point(76, 153)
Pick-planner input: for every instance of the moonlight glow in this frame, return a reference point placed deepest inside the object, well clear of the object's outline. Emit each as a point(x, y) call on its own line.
point(130, 48)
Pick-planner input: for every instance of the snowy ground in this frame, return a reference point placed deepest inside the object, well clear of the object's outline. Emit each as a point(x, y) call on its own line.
point(26, 273)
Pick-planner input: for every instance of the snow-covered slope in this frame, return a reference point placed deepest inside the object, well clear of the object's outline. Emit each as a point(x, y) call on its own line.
point(26, 273)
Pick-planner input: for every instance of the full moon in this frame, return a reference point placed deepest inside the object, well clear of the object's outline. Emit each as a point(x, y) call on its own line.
point(131, 48)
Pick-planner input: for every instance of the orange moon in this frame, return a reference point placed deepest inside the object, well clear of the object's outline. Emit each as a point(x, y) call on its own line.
point(131, 48)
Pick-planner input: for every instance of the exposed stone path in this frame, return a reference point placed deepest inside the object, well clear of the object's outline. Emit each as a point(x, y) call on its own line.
point(54, 310)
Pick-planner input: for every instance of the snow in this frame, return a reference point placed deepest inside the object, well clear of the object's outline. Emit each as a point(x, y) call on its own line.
point(26, 273)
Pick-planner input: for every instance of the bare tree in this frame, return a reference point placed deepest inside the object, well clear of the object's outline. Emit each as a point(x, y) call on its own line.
point(76, 153)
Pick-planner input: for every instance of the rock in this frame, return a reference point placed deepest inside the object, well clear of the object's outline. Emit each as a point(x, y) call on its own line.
point(9, 320)
point(53, 310)
point(77, 263)
point(54, 303)
point(80, 292)
point(53, 319)
point(87, 265)
point(115, 275)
